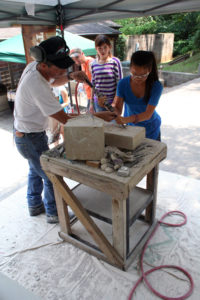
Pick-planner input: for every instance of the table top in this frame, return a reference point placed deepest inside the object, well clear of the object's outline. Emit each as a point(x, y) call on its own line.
point(148, 155)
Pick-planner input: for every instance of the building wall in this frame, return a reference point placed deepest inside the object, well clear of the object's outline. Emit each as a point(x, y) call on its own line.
point(175, 78)
point(161, 44)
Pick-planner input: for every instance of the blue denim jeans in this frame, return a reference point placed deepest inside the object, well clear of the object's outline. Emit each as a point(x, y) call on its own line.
point(31, 146)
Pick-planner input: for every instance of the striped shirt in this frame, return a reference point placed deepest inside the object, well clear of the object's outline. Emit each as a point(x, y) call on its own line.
point(106, 76)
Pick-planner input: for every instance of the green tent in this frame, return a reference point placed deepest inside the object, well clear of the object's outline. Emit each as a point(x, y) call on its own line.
point(12, 50)
point(76, 41)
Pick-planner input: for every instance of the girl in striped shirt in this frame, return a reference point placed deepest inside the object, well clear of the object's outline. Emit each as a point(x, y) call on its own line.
point(106, 71)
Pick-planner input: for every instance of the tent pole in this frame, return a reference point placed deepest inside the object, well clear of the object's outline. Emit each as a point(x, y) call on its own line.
point(60, 23)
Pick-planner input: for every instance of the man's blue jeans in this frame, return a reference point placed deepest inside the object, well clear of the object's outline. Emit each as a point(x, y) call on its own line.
point(31, 146)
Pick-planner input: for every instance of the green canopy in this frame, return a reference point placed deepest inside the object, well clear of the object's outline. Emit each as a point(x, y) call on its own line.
point(76, 41)
point(12, 50)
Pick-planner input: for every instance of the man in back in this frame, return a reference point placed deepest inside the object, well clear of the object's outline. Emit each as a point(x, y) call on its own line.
point(84, 61)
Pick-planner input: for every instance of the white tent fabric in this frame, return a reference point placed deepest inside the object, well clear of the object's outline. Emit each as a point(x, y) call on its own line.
point(37, 12)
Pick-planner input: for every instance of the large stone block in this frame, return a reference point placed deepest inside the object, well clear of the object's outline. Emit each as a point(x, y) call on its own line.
point(125, 138)
point(84, 138)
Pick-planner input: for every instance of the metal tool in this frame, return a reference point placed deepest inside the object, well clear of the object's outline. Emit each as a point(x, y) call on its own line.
point(94, 88)
point(106, 103)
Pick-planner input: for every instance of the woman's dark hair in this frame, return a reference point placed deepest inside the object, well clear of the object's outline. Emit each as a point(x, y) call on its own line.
point(102, 39)
point(146, 59)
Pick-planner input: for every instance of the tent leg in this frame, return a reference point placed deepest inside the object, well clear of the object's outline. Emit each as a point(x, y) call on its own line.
point(70, 93)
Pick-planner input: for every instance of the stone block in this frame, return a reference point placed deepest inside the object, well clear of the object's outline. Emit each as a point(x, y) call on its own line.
point(126, 138)
point(84, 138)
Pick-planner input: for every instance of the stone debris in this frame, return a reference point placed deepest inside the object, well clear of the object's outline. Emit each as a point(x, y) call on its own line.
point(114, 160)
point(123, 171)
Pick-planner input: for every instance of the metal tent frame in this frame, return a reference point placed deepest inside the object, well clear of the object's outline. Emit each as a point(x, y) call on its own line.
point(67, 12)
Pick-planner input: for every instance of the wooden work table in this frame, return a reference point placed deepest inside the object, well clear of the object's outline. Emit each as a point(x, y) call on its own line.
point(103, 200)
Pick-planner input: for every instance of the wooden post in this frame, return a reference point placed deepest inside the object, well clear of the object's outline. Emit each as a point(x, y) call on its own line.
point(34, 35)
point(152, 184)
point(86, 220)
point(119, 217)
point(62, 209)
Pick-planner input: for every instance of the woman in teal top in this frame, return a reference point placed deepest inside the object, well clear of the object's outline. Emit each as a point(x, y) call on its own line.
point(140, 92)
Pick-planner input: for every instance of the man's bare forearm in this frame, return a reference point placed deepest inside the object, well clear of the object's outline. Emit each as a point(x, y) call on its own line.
point(79, 76)
point(61, 116)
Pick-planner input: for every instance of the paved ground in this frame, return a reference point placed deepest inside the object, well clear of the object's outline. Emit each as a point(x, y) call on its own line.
point(179, 108)
point(14, 168)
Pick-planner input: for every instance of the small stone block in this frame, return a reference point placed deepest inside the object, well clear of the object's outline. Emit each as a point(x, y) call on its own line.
point(123, 171)
point(126, 138)
point(84, 138)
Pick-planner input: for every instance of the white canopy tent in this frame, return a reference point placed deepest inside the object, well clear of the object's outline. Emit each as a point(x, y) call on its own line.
point(66, 12)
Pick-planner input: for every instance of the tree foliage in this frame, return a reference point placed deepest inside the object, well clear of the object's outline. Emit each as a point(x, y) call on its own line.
point(185, 26)
point(120, 46)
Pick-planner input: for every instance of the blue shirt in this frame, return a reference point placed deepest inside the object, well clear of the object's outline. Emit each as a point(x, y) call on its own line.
point(134, 105)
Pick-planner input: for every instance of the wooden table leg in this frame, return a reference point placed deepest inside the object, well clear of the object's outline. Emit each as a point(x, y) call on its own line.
point(119, 218)
point(61, 208)
point(70, 199)
point(152, 184)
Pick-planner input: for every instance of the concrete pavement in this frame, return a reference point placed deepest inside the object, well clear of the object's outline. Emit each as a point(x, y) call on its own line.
point(179, 108)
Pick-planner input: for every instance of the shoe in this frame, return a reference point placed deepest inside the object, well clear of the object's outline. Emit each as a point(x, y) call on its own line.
point(52, 219)
point(35, 211)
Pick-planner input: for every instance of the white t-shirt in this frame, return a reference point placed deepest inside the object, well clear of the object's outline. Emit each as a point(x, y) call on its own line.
point(34, 101)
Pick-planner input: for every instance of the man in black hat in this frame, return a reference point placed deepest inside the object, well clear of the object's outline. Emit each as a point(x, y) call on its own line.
point(34, 103)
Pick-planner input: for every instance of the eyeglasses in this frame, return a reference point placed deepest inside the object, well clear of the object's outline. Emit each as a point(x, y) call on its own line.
point(140, 76)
